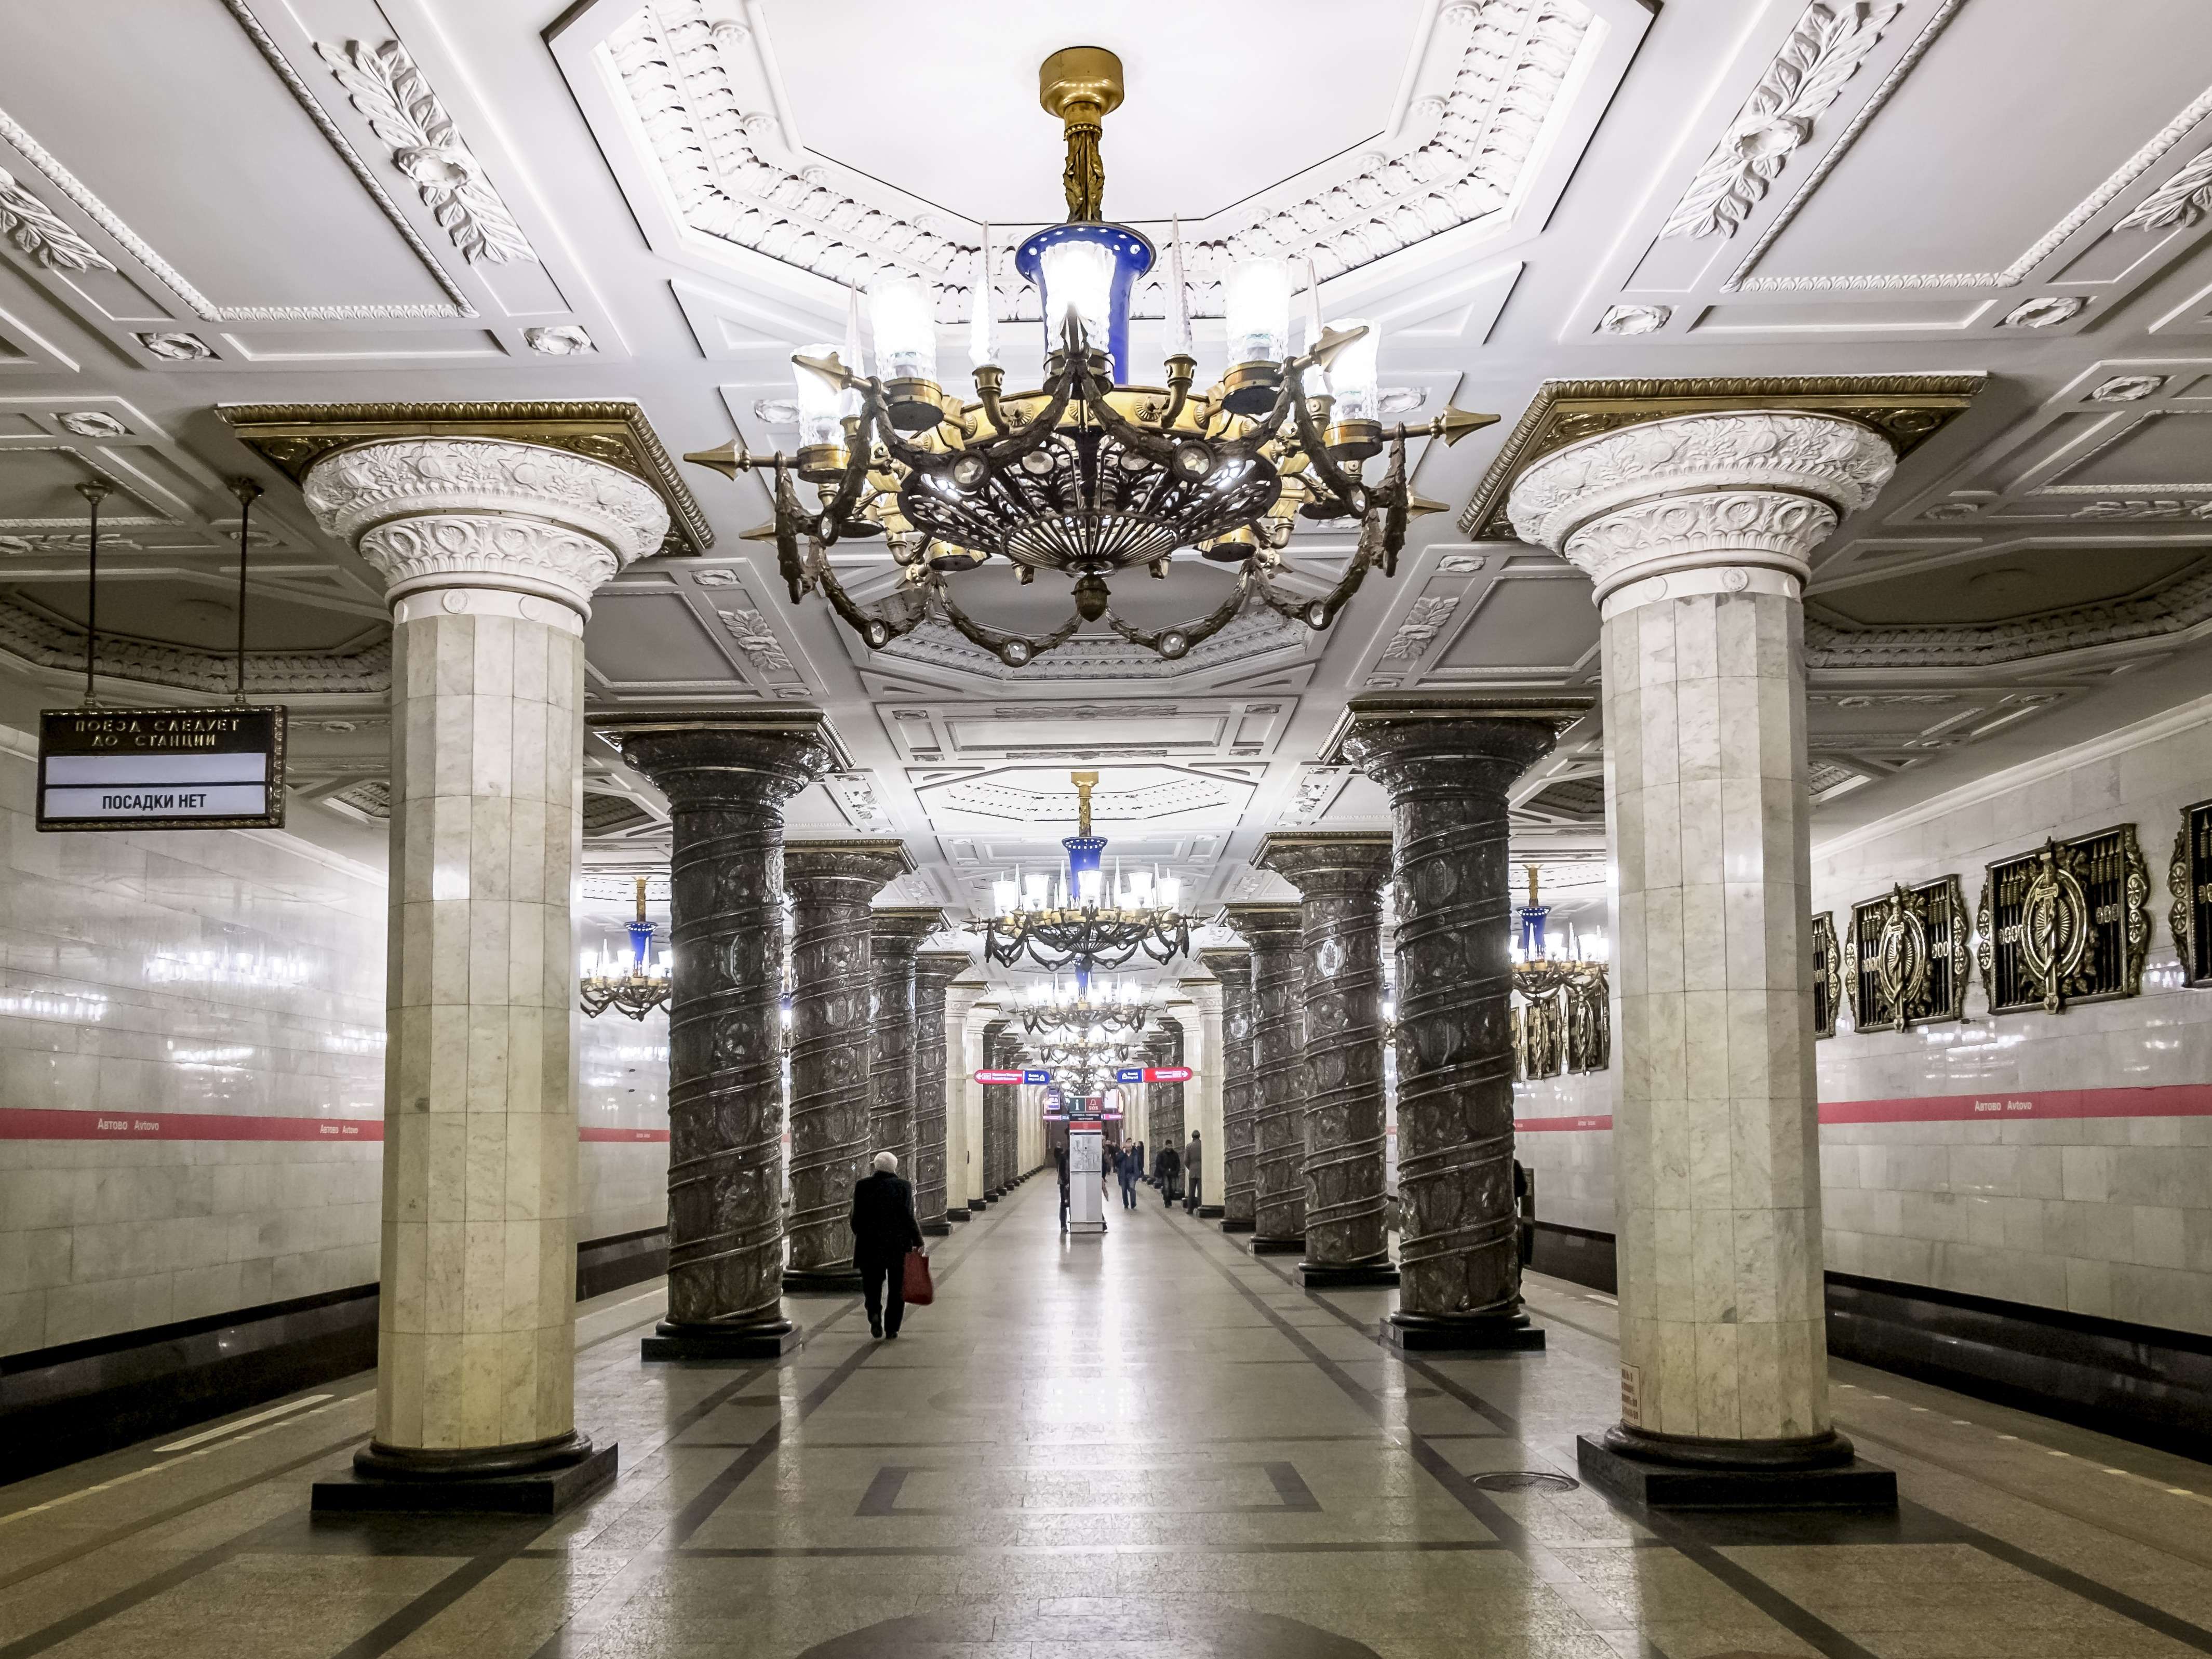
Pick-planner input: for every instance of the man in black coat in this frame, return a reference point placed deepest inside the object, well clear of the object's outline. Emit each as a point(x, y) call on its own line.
point(884, 1230)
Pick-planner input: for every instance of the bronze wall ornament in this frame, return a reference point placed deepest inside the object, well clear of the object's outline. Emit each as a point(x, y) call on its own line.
point(1589, 1026)
point(2068, 922)
point(2190, 880)
point(1827, 974)
point(1907, 410)
point(1906, 957)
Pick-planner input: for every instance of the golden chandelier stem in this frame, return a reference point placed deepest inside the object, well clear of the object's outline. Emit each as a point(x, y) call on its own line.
point(1082, 85)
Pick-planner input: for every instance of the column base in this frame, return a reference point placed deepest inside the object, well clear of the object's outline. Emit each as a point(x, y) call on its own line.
point(939, 1228)
point(1663, 1472)
point(959, 1214)
point(766, 1340)
point(1260, 1246)
point(1336, 1275)
point(544, 1478)
point(977, 1205)
point(821, 1281)
point(1415, 1333)
point(1229, 1225)
point(1209, 1213)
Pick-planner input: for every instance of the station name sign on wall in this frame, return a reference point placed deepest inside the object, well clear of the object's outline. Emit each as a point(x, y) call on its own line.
point(161, 769)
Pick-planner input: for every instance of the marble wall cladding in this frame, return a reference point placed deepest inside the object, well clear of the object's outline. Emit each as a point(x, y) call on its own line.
point(2110, 1217)
point(208, 971)
point(622, 1088)
point(1572, 1169)
point(2105, 1216)
point(223, 971)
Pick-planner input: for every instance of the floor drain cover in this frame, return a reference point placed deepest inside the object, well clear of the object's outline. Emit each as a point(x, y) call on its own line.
point(1525, 1480)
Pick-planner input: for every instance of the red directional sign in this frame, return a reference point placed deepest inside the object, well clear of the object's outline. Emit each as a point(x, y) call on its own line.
point(998, 1077)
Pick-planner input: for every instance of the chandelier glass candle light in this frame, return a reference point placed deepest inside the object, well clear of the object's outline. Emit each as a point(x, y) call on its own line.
point(1080, 918)
point(635, 984)
point(1119, 1007)
point(1566, 973)
point(1088, 475)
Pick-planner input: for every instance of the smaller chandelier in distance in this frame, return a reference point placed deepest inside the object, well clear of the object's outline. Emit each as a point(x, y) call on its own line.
point(1075, 919)
point(1561, 980)
point(635, 984)
point(1088, 475)
point(1119, 1007)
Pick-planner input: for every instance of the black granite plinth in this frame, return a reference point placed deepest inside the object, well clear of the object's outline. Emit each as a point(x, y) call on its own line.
point(977, 1205)
point(821, 1281)
point(1276, 1246)
point(937, 1229)
point(1343, 1275)
point(1209, 1213)
point(1855, 1485)
point(1423, 1334)
point(1235, 1226)
point(543, 1492)
point(767, 1341)
point(957, 1214)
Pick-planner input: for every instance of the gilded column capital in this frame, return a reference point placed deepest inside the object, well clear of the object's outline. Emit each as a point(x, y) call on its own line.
point(433, 512)
point(1740, 492)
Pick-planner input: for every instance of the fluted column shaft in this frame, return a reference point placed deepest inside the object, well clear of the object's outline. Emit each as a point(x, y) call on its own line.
point(1278, 1156)
point(726, 777)
point(831, 883)
point(1340, 878)
point(1234, 969)
point(1447, 770)
point(933, 971)
point(1164, 1108)
point(1203, 1039)
point(489, 551)
point(960, 1149)
point(1697, 534)
point(995, 1112)
point(897, 935)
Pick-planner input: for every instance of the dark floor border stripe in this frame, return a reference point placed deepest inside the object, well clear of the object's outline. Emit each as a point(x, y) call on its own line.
point(1800, 1622)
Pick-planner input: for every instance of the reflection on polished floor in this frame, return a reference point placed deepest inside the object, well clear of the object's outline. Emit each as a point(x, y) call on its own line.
point(1148, 1443)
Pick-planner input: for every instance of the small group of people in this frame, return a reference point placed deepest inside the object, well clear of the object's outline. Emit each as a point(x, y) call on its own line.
point(1177, 1174)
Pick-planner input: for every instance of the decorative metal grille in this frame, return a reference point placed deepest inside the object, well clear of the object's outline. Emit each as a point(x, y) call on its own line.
point(2066, 923)
point(2190, 876)
point(1906, 957)
point(1827, 974)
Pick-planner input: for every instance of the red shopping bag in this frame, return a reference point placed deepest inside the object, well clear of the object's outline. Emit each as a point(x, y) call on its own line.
point(919, 1292)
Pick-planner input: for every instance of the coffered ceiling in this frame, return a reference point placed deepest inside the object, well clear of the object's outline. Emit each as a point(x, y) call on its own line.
point(206, 202)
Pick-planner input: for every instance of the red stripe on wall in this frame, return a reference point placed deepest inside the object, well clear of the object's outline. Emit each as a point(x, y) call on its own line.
point(1537, 1125)
point(2169, 1100)
point(45, 1123)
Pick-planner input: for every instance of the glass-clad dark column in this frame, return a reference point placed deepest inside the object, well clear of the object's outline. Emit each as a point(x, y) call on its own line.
point(897, 935)
point(1340, 878)
point(831, 883)
point(933, 971)
point(995, 1158)
point(1278, 1139)
point(1233, 968)
point(726, 777)
point(1447, 768)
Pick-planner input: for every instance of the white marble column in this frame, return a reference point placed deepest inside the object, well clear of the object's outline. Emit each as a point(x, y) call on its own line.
point(961, 1101)
point(1696, 534)
point(1202, 1052)
point(489, 551)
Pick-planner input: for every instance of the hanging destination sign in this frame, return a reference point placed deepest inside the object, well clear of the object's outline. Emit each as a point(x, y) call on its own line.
point(161, 769)
point(1153, 1074)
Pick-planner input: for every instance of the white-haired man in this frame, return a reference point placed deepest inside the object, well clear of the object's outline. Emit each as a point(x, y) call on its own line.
point(884, 1230)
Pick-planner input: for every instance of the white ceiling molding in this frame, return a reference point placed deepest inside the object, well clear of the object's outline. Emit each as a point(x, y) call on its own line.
point(1783, 167)
point(691, 112)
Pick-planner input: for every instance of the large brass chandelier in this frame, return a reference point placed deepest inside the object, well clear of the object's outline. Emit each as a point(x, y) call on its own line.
point(1118, 1006)
point(634, 983)
point(1088, 475)
point(1087, 916)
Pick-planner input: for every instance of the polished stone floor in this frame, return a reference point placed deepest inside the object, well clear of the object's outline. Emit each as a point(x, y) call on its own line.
point(1143, 1444)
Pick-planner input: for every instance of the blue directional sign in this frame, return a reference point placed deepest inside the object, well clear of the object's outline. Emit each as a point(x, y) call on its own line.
point(1129, 1074)
point(1036, 1077)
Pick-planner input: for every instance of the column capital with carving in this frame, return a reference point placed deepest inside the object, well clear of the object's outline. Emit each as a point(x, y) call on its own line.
point(1342, 861)
point(459, 513)
point(1738, 492)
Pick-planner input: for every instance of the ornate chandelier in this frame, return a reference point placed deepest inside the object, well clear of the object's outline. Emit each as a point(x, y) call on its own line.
point(1088, 475)
point(1075, 919)
point(635, 984)
point(1119, 1007)
point(1566, 1021)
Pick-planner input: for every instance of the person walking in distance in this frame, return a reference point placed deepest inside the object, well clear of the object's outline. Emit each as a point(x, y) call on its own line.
point(1167, 1165)
point(1191, 1169)
point(1060, 1160)
point(1125, 1167)
point(884, 1230)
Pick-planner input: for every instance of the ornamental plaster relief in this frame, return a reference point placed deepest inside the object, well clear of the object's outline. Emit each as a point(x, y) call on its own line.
point(422, 508)
point(703, 95)
point(1837, 462)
